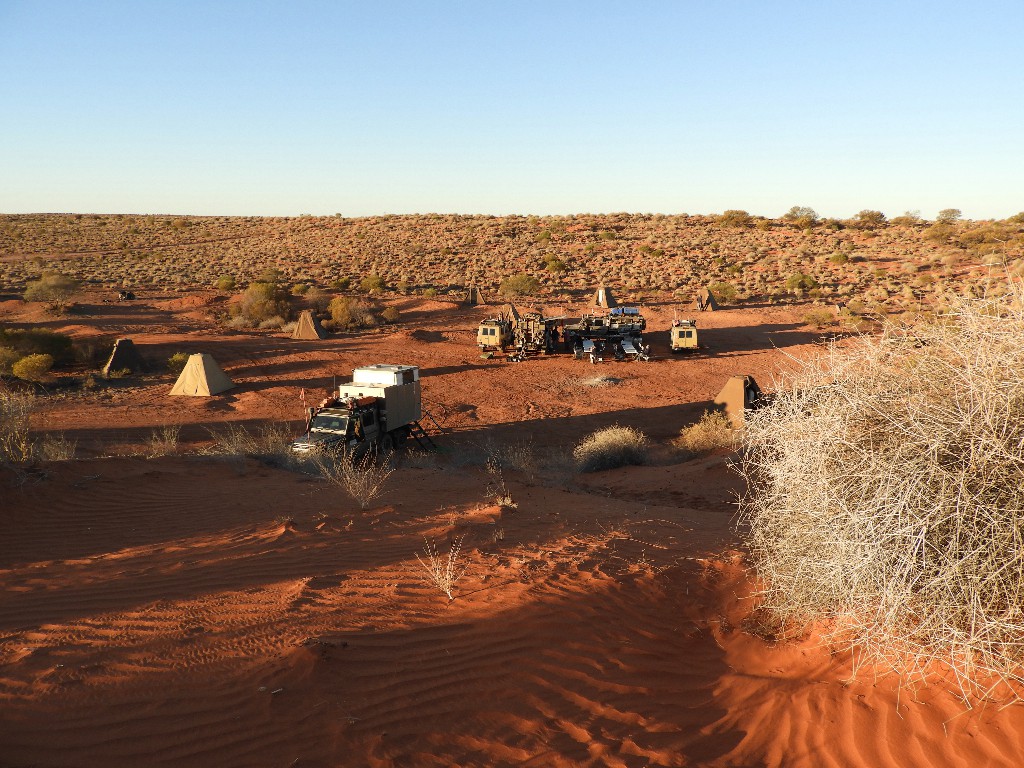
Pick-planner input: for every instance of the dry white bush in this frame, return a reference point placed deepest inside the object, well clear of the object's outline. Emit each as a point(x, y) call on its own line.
point(16, 446)
point(363, 478)
point(886, 497)
point(443, 572)
point(163, 441)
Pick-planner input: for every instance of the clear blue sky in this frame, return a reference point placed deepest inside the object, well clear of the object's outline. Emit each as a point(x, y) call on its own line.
point(517, 107)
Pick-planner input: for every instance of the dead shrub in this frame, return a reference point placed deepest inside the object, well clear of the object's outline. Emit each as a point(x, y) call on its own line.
point(443, 572)
point(268, 443)
point(16, 445)
point(611, 447)
point(163, 441)
point(362, 478)
point(885, 497)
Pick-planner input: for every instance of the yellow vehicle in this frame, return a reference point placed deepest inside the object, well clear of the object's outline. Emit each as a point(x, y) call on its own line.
point(683, 335)
point(494, 335)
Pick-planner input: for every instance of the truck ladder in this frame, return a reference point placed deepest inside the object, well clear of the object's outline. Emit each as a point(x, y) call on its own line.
point(421, 437)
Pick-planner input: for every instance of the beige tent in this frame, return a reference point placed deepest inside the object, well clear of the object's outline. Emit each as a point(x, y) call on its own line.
point(308, 327)
point(603, 298)
point(739, 395)
point(201, 377)
point(124, 357)
point(474, 296)
point(705, 301)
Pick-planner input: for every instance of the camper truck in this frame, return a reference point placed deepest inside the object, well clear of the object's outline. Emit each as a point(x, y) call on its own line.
point(379, 409)
point(683, 335)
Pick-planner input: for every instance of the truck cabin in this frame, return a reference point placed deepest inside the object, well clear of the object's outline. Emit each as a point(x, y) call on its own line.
point(683, 335)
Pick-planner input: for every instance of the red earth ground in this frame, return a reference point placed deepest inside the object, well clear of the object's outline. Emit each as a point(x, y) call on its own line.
point(205, 610)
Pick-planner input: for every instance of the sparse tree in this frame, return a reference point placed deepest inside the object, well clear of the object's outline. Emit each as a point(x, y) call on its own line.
point(521, 284)
point(736, 218)
point(868, 219)
point(948, 216)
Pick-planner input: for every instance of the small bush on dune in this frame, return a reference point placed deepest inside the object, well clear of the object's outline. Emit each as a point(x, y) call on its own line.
point(519, 285)
point(52, 287)
point(349, 314)
point(262, 301)
point(611, 447)
point(15, 412)
point(33, 367)
point(8, 357)
point(38, 341)
point(713, 431)
point(885, 495)
point(176, 362)
point(363, 478)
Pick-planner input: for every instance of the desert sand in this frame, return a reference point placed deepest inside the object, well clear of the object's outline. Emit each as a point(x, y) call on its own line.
point(195, 610)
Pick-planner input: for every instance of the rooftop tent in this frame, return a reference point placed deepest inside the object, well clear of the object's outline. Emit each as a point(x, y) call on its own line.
point(124, 357)
point(474, 296)
point(308, 327)
point(705, 301)
point(603, 298)
point(739, 394)
point(201, 377)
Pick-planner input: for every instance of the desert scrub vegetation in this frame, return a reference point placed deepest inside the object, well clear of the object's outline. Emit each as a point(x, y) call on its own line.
point(611, 447)
point(53, 288)
point(349, 314)
point(885, 498)
point(362, 478)
point(16, 445)
point(260, 303)
point(713, 431)
point(443, 571)
point(521, 284)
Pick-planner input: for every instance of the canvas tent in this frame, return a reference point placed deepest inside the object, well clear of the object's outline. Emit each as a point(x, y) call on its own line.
point(705, 301)
point(124, 357)
point(308, 327)
point(474, 296)
point(201, 377)
point(739, 395)
point(603, 298)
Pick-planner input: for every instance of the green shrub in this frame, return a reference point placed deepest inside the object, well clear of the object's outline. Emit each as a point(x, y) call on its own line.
point(521, 284)
point(341, 284)
point(33, 367)
point(42, 341)
point(819, 318)
point(262, 301)
point(390, 315)
point(372, 284)
point(726, 292)
point(838, 258)
point(868, 219)
point(8, 357)
point(51, 287)
point(713, 431)
point(736, 218)
point(176, 362)
point(430, 293)
point(611, 447)
point(349, 313)
point(225, 283)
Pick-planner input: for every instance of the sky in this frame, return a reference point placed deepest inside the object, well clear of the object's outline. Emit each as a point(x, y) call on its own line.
point(481, 107)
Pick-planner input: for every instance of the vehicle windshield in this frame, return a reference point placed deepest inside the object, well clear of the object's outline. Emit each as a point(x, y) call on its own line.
point(330, 423)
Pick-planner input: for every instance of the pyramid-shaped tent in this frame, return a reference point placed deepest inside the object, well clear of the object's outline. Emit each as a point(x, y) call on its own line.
point(705, 301)
point(474, 296)
point(740, 394)
point(201, 377)
point(603, 298)
point(124, 357)
point(308, 327)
